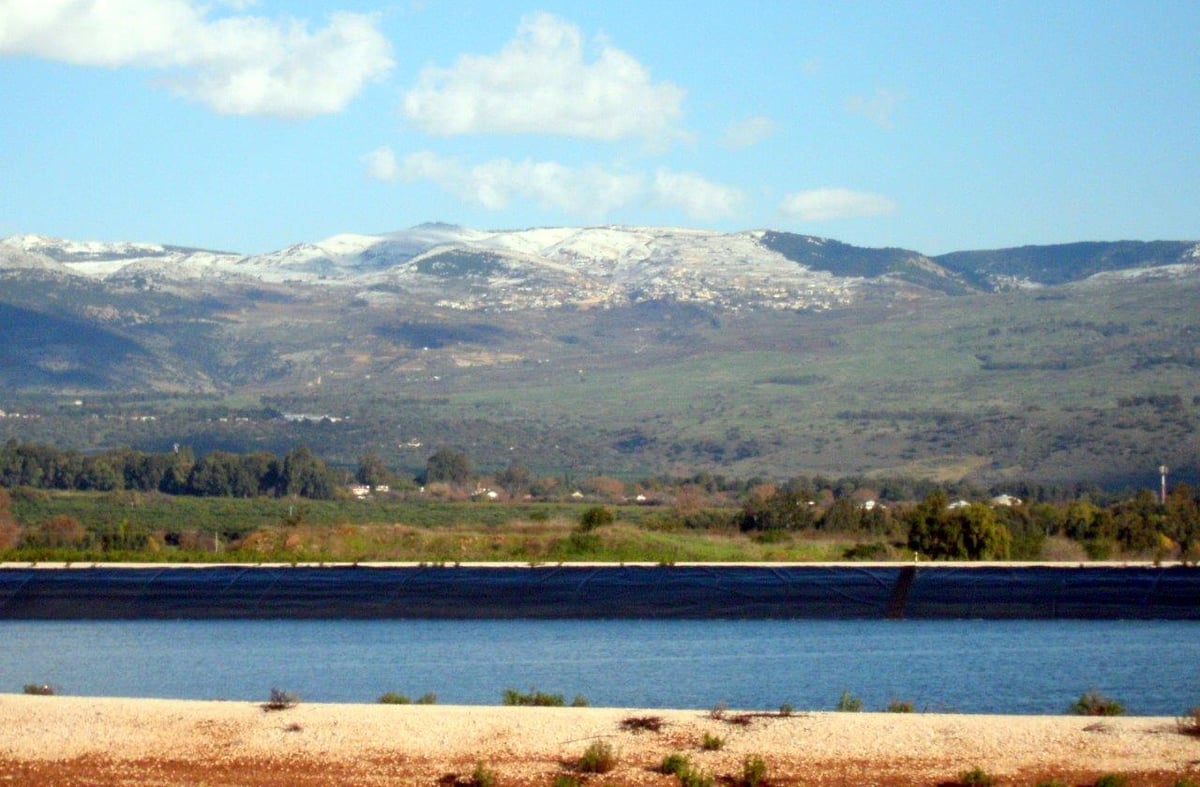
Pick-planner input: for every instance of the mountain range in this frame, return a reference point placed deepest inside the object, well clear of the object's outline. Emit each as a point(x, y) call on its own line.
point(614, 349)
point(589, 266)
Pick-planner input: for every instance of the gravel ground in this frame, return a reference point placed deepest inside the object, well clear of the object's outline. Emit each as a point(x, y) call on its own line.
point(112, 741)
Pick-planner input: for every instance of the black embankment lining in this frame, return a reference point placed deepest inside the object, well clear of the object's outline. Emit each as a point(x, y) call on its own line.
point(462, 592)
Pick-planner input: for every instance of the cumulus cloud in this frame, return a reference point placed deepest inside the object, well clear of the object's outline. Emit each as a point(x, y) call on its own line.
point(238, 65)
point(831, 204)
point(698, 197)
point(585, 191)
point(541, 83)
point(878, 108)
point(381, 164)
point(748, 132)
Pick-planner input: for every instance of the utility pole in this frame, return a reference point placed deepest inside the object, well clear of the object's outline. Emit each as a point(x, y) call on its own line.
point(1162, 470)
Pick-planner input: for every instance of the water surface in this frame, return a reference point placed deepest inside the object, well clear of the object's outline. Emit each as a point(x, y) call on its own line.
point(968, 666)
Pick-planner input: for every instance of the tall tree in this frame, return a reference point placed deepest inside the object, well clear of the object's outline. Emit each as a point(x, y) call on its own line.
point(447, 466)
point(305, 475)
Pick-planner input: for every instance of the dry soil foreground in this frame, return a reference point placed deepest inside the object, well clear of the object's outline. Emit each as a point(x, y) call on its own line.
point(109, 741)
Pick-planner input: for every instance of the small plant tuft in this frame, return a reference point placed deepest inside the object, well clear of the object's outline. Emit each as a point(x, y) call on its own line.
point(580, 701)
point(642, 723)
point(712, 742)
point(976, 777)
point(848, 703)
point(786, 709)
point(674, 764)
point(694, 777)
point(1189, 724)
point(40, 689)
point(754, 771)
point(566, 780)
point(600, 757)
point(1093, 703)
point(281, 700)
point(534, 698)
point(392, 698)
point(718, 711)
point(1112, 780)
point(1049, 783)
point(900, 706)
point(482, 776)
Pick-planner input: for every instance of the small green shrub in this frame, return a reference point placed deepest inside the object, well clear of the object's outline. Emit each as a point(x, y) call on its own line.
point(600, 757)
point(40, 689)
point(712, 742)
point(848, 703)
point(281, 700)
point(693, 777)
point(1112, 780)
point(786, 709)
point(594, 517)
point(674, 764)
point(900, 706)
point(976, 777)
point(718, 711)
point(392, 698)
point(580, 701)
point(754, 771)
point(534, 698)
point(1185, 782)
point(566, 780)
point(1093, 703)
point(483, 776)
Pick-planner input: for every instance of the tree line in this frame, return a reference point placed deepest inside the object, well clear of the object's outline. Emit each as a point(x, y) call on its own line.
point(177, 472)
point(887, 514)
point(941, 529)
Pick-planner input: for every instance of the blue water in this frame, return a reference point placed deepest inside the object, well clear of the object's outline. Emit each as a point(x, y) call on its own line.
point(966, 666)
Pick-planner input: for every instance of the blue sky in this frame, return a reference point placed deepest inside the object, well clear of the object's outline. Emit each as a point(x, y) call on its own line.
point(247, 126)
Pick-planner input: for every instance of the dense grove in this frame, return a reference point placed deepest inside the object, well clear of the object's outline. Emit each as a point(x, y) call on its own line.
point(123, 504)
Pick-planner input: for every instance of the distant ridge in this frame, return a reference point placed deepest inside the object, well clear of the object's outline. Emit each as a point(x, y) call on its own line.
point(602, 265)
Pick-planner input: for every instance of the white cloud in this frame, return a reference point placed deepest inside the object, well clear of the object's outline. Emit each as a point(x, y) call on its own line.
point(238, 65)
point(831, 204)
point(748, 132)
point(878, 108)
point(697, 197)
point(381, 164)
point(540, 83)
point(587, 191)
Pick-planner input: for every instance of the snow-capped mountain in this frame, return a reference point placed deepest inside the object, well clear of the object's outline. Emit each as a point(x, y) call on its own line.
point(461, 268)
point(469, 269)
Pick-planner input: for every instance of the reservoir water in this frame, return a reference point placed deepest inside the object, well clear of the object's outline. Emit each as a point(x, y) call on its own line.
point(966, 666)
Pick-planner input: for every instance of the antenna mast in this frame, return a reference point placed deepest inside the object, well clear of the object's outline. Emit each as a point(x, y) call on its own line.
point(1162, 471)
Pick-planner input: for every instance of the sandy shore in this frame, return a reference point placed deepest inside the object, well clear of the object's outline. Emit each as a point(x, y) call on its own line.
point(112, 741)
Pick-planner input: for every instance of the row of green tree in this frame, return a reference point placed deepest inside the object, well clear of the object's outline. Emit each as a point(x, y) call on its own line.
point(177, 472)
point(939, 529)
point(1136, 523)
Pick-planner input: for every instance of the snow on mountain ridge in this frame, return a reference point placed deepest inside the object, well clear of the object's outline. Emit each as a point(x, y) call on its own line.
point(465, 268)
